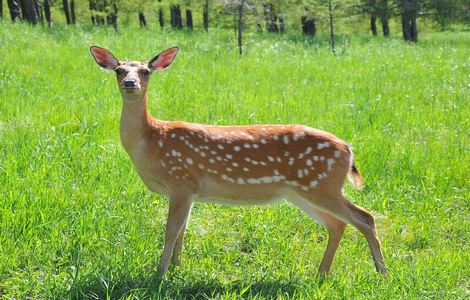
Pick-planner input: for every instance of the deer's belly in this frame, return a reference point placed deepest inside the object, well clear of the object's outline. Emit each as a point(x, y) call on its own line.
point(235, 195)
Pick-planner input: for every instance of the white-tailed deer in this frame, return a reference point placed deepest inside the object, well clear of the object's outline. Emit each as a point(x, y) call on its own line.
point(235, 164)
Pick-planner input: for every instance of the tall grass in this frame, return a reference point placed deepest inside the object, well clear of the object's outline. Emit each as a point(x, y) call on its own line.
point(76, 222)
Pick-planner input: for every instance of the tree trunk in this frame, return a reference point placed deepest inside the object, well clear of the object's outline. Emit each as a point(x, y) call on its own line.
point(72, 12)
point(92, 9)
point(205, 15)
point(385, 26)
point(308, 26)
point(178, 19)
point(15, 10)
point(409, 13)
point(373, 25)
point(240, 27)
point(270, 17)
point(142, 21)
point(114, 18)
point(189, 19)
point(47, 12)
point(29, 11)
point(332, 34)
point(160, 17)
point(1, 9)
point(65, 4)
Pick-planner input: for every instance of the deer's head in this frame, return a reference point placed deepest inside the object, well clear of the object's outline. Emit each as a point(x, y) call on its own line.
point(133, 76)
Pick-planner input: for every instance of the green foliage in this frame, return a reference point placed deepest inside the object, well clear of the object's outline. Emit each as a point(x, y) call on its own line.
point(76, 221)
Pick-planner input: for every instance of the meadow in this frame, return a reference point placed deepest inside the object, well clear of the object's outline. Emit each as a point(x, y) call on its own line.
point(76, 222)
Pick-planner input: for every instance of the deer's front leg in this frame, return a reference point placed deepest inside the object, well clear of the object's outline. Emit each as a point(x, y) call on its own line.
point(180, 206)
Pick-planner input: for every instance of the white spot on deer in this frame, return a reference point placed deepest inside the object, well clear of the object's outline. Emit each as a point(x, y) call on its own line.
point(173, 135)
point(275, 137)
point(337, 153)
point(167, 154)
point(304, 188)
point(229, 169)
point(236, 148)
point(263, 141)
point(181, 138)
point(291, 161)
point(315, 158)
point(240, 181)
point(322, 158)
point(270, 158)
point(292, 182)
point(313, 184)
point(229, 156)
point(247, 146)
point(308, 162)
point(247, 159)
point(235, 164)
point(278, 159)
point(323, 145)
point(286, 139)
point(267, 179)
point(163, 163)
point(218, 158)
point(253, 181)
point(221, 147)
point(306, 172)
point(213, 152)
point(211, 160)
point(224, 177)
point(160, 143)
point(295, 137)
point(286, 153)
point(262, 163)
point(174, 153)
point(246, 169)
point(255, 146)
point(189, 161)
point(276, 172)
point(308, 150)
point(300, 174)
point(200, 166)
point(202, 154)
point(330, 162)
point(254, 162)
point(300, 156)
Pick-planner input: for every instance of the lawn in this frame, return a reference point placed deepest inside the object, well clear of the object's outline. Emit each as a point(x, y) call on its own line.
point(77, 222)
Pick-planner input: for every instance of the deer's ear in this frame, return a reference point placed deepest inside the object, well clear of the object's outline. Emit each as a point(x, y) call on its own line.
point(163, 60)
point(104, 58)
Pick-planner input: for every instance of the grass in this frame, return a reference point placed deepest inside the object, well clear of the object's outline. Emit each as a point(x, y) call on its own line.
point(76, 221)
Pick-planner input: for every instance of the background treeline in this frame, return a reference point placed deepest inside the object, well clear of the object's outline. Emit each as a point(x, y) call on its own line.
point(278, 16)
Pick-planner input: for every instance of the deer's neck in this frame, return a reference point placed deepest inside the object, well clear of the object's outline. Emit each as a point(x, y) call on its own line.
point(135, 120)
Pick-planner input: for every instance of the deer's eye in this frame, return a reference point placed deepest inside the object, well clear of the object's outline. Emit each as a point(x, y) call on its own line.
point(145, 72)
point(121, 72)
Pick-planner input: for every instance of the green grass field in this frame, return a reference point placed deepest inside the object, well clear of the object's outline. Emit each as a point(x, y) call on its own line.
point(77, 222)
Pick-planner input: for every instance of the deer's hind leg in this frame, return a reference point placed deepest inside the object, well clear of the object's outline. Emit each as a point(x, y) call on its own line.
point(334, 226)
point(340, 207)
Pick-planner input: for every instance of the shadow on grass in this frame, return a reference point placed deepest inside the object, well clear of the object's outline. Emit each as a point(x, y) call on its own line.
point(93, 287)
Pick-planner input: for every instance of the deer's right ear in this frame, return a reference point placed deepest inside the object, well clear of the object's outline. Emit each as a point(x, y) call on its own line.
point(104, 58)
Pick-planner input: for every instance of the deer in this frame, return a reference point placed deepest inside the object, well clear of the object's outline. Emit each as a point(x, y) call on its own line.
point(236, 165)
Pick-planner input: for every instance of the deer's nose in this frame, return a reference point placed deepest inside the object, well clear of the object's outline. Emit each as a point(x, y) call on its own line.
point(130, 83)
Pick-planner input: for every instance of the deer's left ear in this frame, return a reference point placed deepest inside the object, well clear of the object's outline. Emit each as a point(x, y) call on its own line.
point(163, 60)
point(104, 58)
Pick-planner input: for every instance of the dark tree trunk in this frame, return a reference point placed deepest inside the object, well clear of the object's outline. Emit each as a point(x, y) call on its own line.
point(308, 25)
point(332, 33)
point(240, 26)
point(160, 17)
point(205, 15)
point(259, 28)
point(179, 19)
point(373, 16)
point(29, 11)
point(65, 4)
point(92, 9)
point(270, 17)
point(385, 27)
point(114, 18)
point(47, 12)
point(15, 10)
point(72, 12)
point(189, 19)
point(1, 9)
point(142, 21)
point(409, 13)
point(373, 25)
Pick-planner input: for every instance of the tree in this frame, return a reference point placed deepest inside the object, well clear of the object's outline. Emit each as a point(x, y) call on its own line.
point(205, 15)
point(47, 12)
point(15, 10)
point(409, 13)
point(73, 17)
point(65, 6)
